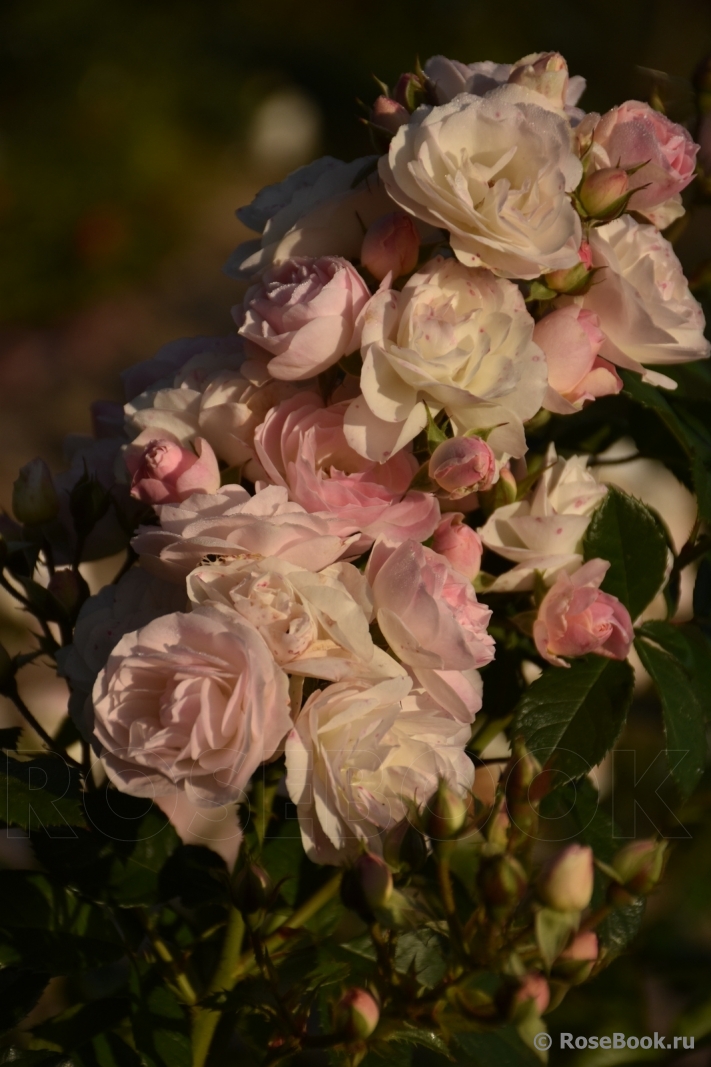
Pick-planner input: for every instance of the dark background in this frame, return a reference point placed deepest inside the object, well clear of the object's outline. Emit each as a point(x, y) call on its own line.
point(129, 132)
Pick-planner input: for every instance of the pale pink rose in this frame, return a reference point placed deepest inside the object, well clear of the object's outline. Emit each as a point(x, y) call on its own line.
point(635, 134)
point(191, 702)
point(163, 472)
point(391, 246)
point(360, 755)
point(216, 828)
point(426, 610)
point(571, 339)
point(459, 544)
point(304, 312)
point(576, 618)
point(463, 465)
point(301, 445)
point(233, 524)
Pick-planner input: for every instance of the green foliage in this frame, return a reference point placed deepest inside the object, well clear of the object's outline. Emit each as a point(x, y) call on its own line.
point(40, 792)
point(160, 1023)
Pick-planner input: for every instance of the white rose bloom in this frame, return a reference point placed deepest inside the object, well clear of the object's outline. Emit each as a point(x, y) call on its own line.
point(455, 339)
point(356, 756)
point(222, 405)
point(544, 531)
point(642, 300)
point(313, 624)
point(494, 171)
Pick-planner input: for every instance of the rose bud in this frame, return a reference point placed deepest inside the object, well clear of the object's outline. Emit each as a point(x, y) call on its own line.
point(367, 886)
point(575, 963)
point(640, 865)
point(497, 830)
point(164, 472)
point(409, 91)
point(405, 847)
point(251, 889)
point(69, 588)
point(356, 1015)
point(534, 988)
point(520, 774)
point(445, 813)
point(603, 192)
point(391, 243)
point(388, 114)
point(462, 465)
point(571, 340)
point(34, 498)
point(575, 618)
point(573, 279)
point(459, 544)
point(545, 73)
point(566, 882)
point(503, 882)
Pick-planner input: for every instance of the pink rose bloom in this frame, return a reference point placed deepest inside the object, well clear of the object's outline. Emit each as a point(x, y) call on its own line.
point(301, 446)
point(635, 133)
point(429, 615)
point(463, 465)
point(232, 524)
point(190, 703)
point(304, 312)
point(164, 472)
point(571, 339)
point(459, 544)
point(391, 246)
point(576, 618)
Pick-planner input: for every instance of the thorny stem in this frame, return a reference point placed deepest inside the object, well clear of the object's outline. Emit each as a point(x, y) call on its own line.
point(205, 1019)
point(49, 741)
point(179, 977)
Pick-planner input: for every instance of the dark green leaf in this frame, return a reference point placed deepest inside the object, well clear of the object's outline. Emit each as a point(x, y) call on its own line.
point(422, 954)
point(625, 532)
point(282, 857)
point(702, 595)
point(82, 1022)
point(106, 1050)
point(160, 1023)
point(195, 874)
point(570, 718)
point(684, 723)
point(19, 992)
point(621, 926)
point(39, 793)
point(502, 1048)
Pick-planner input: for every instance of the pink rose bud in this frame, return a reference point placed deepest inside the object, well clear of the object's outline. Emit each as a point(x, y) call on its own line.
point(507, 485)
point(602, 192)
point(166, 473)
point(356, 1015)
point(34, 498)
point(388, 114)
point(445, 813)
point(575, 618)
point(462, 465)
point(392, 243)
point(572, 279)
point(252, 888)
point(640, 865)
point(459, 544)
point(408, 91)
point(534, 988)
point(545, 73)
point(503, 884)
point(585, 253)
point(571, 339)
point(635, 134)
point(375, 880)
point(566, 882)
point(575, 963)
point(68, 587)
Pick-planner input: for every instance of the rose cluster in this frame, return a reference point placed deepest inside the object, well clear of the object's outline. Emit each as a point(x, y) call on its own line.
point(320, 486)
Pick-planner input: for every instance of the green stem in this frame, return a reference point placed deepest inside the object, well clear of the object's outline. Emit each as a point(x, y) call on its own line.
point(301, 916)
point(205, 1020)
point(263, 794)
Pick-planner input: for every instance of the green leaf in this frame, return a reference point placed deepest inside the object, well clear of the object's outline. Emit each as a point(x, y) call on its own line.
point(502, 1048)
point(421, 953)
point(553, 930)
point(160, 1023)
point(39, 792)
point(106, 1050)
point(684, 719)
point(82, 1022)
point(19, 992)
point(570, 718)
point(435, 435)
point(621, 926)
point(626, 533)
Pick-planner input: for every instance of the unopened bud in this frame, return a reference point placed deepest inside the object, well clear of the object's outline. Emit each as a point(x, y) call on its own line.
point(251, 889)
point(34, 498)
point(405, 847)
point(640, 865)
point(367, 885)
point(520, 774)
point(566, 882)
point(462, 465)
point(603, 192)
point(69, 588)
point(576, 962)
point(356, 1015)
point(533, 988)
point(445, 813)
point(545, 73)
point(388, 114)
point(574, 279)
point(503, 883)
point(391, 244)
point(409, 91)
point(506, 486)
point(497, 830)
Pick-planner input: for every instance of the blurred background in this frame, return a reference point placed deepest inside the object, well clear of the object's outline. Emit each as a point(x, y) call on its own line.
point(129, 133)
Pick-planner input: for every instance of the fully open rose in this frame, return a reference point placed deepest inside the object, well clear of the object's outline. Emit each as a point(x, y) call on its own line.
point(190, 703)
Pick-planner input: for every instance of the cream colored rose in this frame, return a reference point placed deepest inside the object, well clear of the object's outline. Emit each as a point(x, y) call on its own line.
point(495, 171)
point(642, 300)
point(544, 531)
point(456, 339)
point(360, 754)
point(313, 624)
